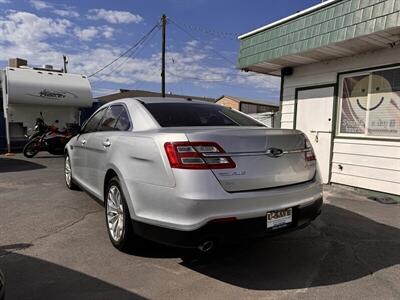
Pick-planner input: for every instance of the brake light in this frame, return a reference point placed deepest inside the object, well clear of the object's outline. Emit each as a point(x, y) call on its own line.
point(197, 155)
point(309, 155)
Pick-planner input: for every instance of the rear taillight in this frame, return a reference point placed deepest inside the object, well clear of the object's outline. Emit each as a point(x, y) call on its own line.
point(309, 155)
point(197, 155)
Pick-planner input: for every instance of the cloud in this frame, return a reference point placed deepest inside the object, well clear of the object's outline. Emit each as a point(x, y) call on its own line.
point(114, 16)
point(104, 91)
point(32, 37)
point(86, 34)
point(89, 33)
point(186, 65)
point(66, 13)
point(5, 1)
point(107, 31)
point(38, 4)
point(58, 9)
point(25, 35)
point(191, 45)
point(24, 28)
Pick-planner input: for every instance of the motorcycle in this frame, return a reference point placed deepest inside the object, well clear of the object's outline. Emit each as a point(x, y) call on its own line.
point(39, 128)
point(47, 138)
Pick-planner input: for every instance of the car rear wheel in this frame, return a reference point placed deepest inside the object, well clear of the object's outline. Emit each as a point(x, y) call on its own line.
point(119, 225)
point(69, 181)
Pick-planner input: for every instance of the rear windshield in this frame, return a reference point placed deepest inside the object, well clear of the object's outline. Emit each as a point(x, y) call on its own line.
point(196, 114)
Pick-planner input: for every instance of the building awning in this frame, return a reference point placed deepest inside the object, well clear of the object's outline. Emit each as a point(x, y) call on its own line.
point(329, 30)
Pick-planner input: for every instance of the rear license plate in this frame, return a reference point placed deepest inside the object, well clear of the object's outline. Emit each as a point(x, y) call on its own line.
point(279, 218)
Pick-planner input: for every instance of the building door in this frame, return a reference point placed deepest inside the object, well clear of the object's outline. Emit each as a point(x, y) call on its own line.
point(314, 114)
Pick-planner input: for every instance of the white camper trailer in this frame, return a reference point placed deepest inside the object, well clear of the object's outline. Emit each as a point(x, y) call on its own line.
point(27, 92)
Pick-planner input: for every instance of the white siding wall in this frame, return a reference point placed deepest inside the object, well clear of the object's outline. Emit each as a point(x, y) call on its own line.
point(366, 164)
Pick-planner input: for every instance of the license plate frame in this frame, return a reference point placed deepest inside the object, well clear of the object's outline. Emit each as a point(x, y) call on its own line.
point(279, 218)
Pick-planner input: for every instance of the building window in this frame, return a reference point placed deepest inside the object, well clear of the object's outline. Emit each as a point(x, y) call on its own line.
point(370, 105)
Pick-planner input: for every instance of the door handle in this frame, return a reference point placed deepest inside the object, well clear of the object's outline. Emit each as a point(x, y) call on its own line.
point(107, 143)
point(83, 142)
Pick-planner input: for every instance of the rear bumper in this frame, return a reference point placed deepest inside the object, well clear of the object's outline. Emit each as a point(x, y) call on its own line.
point(199, 198)
point(224, 232)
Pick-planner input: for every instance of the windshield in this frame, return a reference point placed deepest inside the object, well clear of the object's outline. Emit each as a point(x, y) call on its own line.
point(188, 114)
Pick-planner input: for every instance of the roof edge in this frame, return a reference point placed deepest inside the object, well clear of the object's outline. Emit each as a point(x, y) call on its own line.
point(289, 18)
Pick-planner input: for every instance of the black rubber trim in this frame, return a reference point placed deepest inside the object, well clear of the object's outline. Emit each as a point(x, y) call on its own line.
point(224, 232)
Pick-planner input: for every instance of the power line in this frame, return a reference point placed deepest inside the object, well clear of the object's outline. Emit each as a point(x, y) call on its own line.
point(221, 34)
point(134, 52)
point(127, 51)
point(216, 52)
point(196, 39)
point(195, 78)
point(137, 52)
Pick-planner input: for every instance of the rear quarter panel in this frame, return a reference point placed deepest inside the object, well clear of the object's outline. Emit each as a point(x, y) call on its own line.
point(139, 158)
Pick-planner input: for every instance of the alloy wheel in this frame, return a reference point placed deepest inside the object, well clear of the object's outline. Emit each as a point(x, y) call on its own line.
point(115, 213)
point(68, 171)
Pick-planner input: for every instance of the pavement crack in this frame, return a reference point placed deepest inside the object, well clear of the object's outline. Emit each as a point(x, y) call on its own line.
point(65, 226)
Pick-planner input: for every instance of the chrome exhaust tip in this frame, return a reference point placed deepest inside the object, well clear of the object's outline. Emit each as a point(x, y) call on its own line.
point(206, 246)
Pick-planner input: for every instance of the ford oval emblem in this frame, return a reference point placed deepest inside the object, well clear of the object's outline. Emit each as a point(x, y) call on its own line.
point(274, 152)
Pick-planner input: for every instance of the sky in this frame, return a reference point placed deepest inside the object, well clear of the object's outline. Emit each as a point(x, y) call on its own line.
point(202, 44)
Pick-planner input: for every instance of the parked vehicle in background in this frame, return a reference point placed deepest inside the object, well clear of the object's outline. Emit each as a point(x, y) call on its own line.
point(47, 138)
point(39, 128)
point(192, 174)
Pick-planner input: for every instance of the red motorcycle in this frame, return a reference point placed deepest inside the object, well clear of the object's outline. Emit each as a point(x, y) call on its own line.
point(50, 139)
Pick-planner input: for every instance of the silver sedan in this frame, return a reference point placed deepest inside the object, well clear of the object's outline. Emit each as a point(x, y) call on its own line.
point(192, 174)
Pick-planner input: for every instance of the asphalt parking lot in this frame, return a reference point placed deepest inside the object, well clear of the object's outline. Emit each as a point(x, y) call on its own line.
point(54, 245)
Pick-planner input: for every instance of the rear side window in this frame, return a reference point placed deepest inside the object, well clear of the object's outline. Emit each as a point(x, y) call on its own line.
point(110, 118)
point(94, 121)
point(188, 114)
point(123, 122)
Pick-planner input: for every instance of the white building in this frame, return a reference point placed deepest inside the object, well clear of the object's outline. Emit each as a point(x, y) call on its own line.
point(339, 63)
point(27, 92)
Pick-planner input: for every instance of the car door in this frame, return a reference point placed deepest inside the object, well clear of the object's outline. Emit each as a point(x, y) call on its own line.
point(100, 144)
point(79, 155)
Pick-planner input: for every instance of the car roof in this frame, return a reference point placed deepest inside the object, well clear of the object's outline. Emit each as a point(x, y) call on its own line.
point(159, 100)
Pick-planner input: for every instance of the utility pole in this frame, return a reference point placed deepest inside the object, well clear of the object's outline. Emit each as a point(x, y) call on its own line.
point(65, 61)
point(164, 25)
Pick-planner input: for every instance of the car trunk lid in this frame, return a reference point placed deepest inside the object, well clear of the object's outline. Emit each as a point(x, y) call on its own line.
point(264, 158)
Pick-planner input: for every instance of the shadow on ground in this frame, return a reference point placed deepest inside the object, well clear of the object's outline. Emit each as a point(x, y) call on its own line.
point(18, 165)
point(341, 246)
point(40, 156)
point(31, 278)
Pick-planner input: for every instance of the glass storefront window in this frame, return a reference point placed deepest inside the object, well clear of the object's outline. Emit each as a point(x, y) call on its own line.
point(370, 105)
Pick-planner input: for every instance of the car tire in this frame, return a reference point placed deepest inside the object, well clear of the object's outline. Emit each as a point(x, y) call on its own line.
point(69, 180)
point(118, 219)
